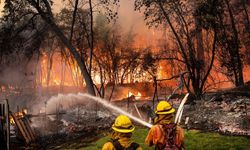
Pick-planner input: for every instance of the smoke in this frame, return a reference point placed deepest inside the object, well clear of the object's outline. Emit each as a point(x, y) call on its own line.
point(128, 19)
point(69, 114)
point(11, 76)
point(60, 102)
point(131, 20)
point(17, 76)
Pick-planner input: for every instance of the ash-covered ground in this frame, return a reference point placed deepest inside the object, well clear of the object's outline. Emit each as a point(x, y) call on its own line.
point(70, 119)
point(227, 113)
point(81, 122)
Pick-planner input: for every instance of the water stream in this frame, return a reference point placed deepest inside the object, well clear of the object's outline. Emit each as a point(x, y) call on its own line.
point(117, 109)
point(70, 100)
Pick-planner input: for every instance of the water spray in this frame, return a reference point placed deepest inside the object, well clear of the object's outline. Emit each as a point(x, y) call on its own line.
point(70, 100)
point(109, 105)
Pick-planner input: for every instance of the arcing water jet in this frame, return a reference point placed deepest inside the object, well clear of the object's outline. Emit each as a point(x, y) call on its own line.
point(71, 100)
point(109, 105)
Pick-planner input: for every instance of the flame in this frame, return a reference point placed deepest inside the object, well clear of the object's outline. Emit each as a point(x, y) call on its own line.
point(137, 96)
point(19, 114)
point(61, 73)
point(12, 120)
point(130, 94)
point(68, 73)
point(56, 82)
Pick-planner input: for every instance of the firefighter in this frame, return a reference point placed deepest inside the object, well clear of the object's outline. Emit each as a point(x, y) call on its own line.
point(121, 136)
point(165, 134)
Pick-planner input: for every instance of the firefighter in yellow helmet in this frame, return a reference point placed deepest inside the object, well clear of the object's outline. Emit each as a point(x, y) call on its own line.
point(121, 136)
point(165, 134)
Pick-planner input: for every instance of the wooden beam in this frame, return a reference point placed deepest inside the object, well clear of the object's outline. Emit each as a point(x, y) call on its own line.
point(19, 127)
point(25, 130)
point(29, 128)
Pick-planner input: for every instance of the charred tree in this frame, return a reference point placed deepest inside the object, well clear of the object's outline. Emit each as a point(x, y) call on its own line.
point(239, 74)
point(229, 42)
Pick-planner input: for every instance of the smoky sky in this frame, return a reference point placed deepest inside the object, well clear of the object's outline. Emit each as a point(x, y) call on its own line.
point(127, 17)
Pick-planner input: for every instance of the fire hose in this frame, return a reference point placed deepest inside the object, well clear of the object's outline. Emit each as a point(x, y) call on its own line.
point(180, 109)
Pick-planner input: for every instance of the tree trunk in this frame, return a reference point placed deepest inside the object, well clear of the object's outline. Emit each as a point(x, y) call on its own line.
point(73, 21)
point(48, 18)
point(91, 35)
point(49, 67)
point(236, 46)
point(200, 66)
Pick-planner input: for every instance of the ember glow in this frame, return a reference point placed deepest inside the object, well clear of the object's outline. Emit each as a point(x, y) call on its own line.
point(137, 95)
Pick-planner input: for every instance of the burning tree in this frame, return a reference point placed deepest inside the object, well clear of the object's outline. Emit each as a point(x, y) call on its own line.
point(43, 8)
point(196, 54)
point(115, 57)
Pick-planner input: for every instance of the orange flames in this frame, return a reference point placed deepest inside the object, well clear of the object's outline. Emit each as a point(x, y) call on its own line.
point(68, 74)
point(19, 114)
point(64, 73)
point(61, 72)
point(137, 96)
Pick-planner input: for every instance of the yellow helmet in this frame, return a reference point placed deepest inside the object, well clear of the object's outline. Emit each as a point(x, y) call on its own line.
point(164, 108)
point(123, 124)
